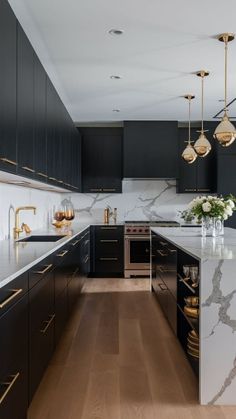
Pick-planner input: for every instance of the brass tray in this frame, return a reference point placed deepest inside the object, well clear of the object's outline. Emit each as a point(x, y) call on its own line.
point(191, 312)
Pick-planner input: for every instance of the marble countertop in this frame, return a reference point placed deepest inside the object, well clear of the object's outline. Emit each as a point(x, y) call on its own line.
point(190, 241)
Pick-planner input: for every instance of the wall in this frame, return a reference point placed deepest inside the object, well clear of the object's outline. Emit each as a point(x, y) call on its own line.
point(20, 196)
point(140, 200)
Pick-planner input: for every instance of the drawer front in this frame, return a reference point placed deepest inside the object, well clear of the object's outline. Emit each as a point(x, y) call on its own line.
point(14, 364)
point(61, 314)
point(40, 270)
point(109, 248)
point(61, 254)
point(109, 264)
point(109, 232)
point(12, 292)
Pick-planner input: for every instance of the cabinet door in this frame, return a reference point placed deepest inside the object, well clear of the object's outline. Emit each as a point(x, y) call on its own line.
point(207, 166)
point(51, 132)
point(40, 139)
point(41, 329)
point(25, 105)
point(150, 149)
point(226, 180)
point(187, 176)
point(8, 45)
point(102, 159)
point(14, 361)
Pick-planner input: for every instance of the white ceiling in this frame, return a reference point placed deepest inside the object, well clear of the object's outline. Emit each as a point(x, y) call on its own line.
point(163, 43)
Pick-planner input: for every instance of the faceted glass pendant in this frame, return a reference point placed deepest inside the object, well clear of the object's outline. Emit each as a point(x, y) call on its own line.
point(202, 145)
point(189, 154)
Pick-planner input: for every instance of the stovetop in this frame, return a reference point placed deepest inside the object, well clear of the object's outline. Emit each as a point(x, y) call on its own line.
point(143, 227)
point(154, 223)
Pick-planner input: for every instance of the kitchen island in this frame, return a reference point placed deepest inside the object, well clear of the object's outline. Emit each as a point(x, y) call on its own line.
point(173, 248)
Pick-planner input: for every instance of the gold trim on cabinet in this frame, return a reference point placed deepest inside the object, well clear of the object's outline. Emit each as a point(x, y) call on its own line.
point(9, 385)
point(14, 295)
point(5, 160)
point(47, 267)
point(48, 322)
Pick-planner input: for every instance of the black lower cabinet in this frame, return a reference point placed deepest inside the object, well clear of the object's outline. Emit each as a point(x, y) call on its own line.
point(14, 361)
point(41, 329)
point(108, 250)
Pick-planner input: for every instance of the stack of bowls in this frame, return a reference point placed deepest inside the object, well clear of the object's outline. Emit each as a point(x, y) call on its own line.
point(191, 308)
point(193, 344)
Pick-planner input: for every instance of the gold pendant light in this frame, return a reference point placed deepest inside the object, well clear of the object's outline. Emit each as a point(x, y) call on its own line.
point(225, 132)
point(202, 145)
point(189, 154)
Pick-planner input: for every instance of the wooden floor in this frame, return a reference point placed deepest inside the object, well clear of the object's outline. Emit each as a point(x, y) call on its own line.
point(118, 359)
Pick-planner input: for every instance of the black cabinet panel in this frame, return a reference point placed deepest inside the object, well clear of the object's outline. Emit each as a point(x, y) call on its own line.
point(227, 180)
point(199, 176)
point(8, 46)
point(108, 250)
point(150, 149)
point(40, 138)
point(102, 159)
point(25, 105)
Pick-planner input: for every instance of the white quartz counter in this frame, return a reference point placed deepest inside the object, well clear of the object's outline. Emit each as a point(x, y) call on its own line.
point(190, 241)
point(18, 257)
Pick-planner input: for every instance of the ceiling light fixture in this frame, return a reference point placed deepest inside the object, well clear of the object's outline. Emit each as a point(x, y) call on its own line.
point(225, 132)
point(202, 146)
point(115, 77)
point(116, 32)
point(189, 154)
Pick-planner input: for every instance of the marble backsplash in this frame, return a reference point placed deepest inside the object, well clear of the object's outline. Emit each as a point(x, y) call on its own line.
point(140, 200)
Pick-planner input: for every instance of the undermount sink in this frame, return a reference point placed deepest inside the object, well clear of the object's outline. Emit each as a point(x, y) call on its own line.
point(53, 238)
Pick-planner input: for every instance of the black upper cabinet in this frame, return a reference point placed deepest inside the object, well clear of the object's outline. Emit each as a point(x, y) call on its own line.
point(8, 28)
point(51, 132)
point(102, 159)
point(199, 176)
point(25, 105)
point(40, 138)
point(150, 149)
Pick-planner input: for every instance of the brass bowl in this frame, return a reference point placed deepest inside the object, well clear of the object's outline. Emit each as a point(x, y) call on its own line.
point(193, 336)
point(191, 312)
point(192, 301)
point(192, 343)
point(193, 354)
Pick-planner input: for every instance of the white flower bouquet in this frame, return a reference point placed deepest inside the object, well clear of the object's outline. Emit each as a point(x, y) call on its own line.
point(213, 207)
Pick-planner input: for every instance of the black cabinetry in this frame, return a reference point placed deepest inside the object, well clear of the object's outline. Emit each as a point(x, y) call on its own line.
point(102, 160)
point(226, 175)
point(150, 149)
point(14, 350)
point(108, 250)
point(8, 47)
point(25, 105)
point(199, 176)
point(40, 138)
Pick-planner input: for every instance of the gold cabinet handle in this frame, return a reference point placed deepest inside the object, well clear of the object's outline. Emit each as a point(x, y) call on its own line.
point(41, 174)
point(164, 243)
point(9, 385)
point(172, 250)
point(28, 169)
point(47, 267)
point(108, 228)
point(190, 190)
point(14, 295)
point(203, 190)
point(109, 189)
point(48, 322)
point(62, 254)
point(95, 190)
point(86, 259)
point(161, 253)
point(108, 259)
point(8, 161)
point(52, 178)
point(76, 242)
point(108, 241)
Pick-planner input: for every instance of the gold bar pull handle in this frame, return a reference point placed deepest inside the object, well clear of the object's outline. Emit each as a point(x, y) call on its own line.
point(76, 242)
point(62, 254)
point(108, 258)
point(9, 299)
point(9, 385)
point(48, 322)
point(161, 253)
point(28, 169)
point(47, 267)
point(41, 174)
point(108, 241)
point(5, 160)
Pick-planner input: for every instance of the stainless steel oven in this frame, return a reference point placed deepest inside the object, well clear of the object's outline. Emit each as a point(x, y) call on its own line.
point(137, 246)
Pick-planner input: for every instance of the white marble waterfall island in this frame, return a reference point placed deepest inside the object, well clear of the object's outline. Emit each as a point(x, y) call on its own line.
point(216, 258)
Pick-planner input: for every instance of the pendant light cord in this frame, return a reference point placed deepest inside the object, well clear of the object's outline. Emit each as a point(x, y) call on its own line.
point(202, 77)
point(189, 131)
point(226, 70)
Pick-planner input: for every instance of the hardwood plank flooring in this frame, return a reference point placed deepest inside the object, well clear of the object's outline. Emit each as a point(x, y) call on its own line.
point(118, 359)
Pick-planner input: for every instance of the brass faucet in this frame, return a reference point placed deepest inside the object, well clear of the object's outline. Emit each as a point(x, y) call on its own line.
point(17, 229)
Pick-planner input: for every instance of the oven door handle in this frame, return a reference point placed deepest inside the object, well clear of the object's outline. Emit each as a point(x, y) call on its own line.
point(146, 238)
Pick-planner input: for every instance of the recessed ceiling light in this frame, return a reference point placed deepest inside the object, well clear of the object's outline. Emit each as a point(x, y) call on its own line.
point(115, 32)
point(115, 110)
point(115, 77)
point(221, 100)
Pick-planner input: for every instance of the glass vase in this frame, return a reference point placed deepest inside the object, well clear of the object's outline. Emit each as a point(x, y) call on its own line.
point(219, 227)
point(208, 227)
